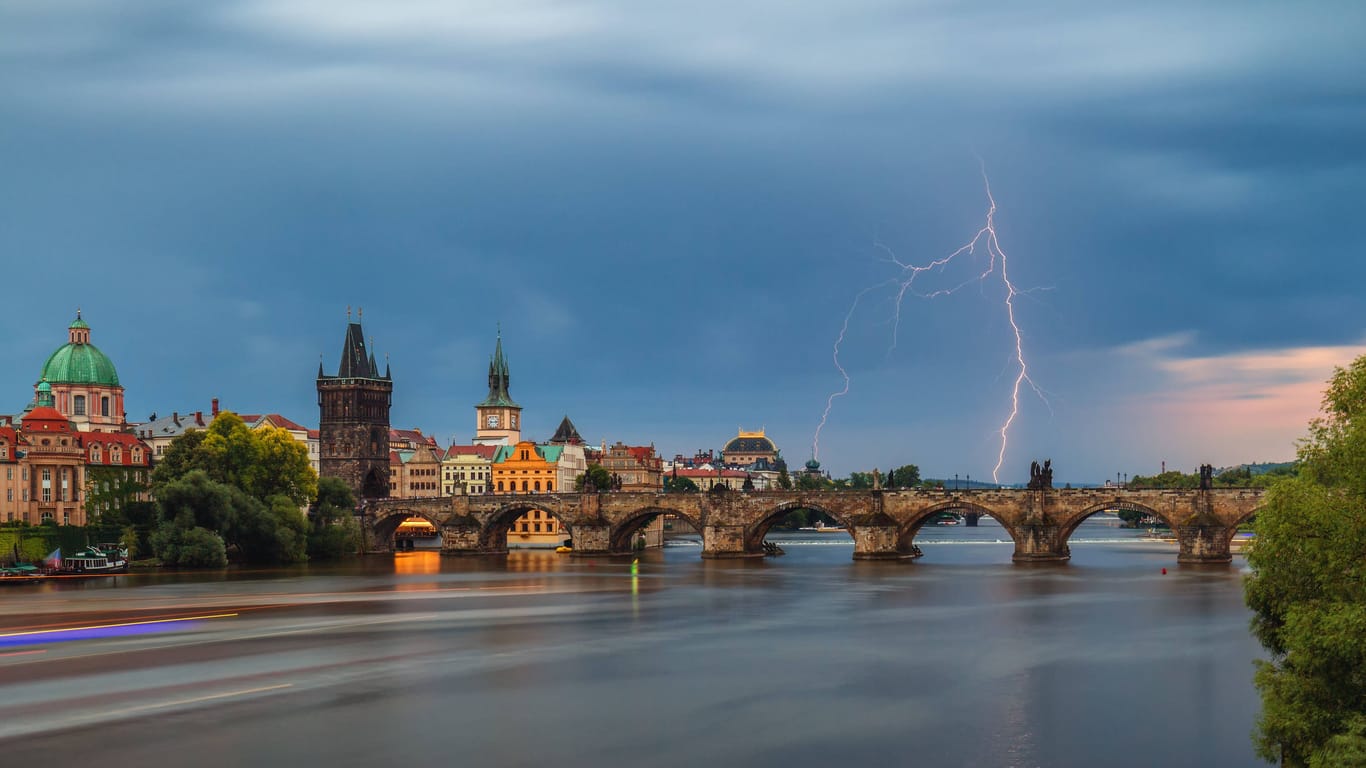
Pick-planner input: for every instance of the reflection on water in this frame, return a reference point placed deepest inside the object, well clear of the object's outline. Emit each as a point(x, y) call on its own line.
point(811, 659)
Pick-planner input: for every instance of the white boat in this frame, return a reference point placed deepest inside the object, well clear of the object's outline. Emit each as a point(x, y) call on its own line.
point(94, 560)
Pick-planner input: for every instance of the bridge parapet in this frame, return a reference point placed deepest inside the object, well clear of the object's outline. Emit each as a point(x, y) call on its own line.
point(882, 523)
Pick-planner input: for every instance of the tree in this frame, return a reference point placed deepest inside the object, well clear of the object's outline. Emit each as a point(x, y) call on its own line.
point(1308, 590)
point(860, 480)
point(602, 480)
point(679, 485)
point(195, 500)
point(282, 468)
point(907, 476)
point(334, 533)
point(193, 547)
point(784, 479)
point(261, 463)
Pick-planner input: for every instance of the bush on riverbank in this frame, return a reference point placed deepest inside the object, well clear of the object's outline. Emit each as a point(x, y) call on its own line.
point(180, 547)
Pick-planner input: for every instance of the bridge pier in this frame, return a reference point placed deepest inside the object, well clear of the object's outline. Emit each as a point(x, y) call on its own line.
point(1204, 544)
point(877, 542)
point(1040, 544)
point(725, 541)
point(971, 518)
point(592, 540)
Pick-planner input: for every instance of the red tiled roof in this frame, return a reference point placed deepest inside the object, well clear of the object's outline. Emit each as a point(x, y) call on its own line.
point(89, 440)
point(49, 418)
point(7, 434)
point(276, 420)
point(394, 458)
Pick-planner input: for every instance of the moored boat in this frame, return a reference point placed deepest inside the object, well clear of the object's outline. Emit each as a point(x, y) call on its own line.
point(95, 560)
point(21, 574)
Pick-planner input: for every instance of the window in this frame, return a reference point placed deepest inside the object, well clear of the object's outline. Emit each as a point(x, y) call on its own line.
point(524, 486)
point(538, 527)
point(550, 485)
point(104, 406)
point(78, 405)
point(524, 527)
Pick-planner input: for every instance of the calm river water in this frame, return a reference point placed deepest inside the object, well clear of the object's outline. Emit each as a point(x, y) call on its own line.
point(959, 659)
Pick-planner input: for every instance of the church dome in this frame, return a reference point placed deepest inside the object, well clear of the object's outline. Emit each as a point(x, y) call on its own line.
point(78, 361)
point(750, 442)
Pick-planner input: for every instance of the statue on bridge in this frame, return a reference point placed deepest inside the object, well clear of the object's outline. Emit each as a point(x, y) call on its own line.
point(1206, 476)
point(1041, 477)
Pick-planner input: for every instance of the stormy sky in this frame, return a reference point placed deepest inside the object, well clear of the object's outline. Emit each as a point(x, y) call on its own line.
point(670, 208)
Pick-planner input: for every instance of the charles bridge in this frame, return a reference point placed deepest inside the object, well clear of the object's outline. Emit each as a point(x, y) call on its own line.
point(883, 523)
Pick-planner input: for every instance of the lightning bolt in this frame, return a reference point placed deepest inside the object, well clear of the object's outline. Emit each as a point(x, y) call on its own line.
point(905, 282)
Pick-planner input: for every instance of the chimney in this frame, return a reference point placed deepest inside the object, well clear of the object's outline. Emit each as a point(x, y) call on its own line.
point(199, 418)
point(214, 412)
point(175, 417)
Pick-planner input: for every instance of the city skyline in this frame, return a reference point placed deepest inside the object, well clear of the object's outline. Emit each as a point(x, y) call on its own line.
point(670, 243)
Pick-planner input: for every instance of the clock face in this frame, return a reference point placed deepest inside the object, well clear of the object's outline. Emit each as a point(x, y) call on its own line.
point(514, 422)
point(491, 420)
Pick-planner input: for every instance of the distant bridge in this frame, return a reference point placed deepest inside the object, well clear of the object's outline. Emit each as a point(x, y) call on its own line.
point(882, 523)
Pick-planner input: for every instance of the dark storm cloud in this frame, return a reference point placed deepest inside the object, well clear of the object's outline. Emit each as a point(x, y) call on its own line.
point(704, 179)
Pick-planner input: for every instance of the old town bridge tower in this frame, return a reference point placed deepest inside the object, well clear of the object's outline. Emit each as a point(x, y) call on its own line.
point(353, 421)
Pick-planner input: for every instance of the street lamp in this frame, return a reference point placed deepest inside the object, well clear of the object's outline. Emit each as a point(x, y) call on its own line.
point(955, 481)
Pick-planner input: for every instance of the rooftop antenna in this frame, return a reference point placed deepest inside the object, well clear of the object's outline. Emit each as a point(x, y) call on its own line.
point(361, 311)
point(348, 311)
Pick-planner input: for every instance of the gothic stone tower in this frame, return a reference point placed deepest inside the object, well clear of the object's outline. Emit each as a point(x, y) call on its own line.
point(353, 421)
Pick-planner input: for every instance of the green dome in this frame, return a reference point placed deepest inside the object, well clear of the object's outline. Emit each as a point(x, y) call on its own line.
point(79, 364)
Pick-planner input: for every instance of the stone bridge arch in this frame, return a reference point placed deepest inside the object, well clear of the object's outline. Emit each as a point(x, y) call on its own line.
point(622, 535)
point(493, 536)
point(384, 525)
point(1072, 522)
point(1240, 519)
point(759, 528)
point(910, 527)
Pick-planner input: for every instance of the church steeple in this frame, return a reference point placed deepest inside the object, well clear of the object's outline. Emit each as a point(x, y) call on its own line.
point(498, 416)
point(499, 378)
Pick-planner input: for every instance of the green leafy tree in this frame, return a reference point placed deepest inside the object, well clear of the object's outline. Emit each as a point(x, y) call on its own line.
point(907, 476)
point(860, 480)
point(195, 500)
point(812, 483)
point(334, 533)
point(602, 479)
point(1308, 591)
point(193, 547)
point(282, 468)
point(784, 479)
point(679, 485)
point(181, 457)
point(262, 463)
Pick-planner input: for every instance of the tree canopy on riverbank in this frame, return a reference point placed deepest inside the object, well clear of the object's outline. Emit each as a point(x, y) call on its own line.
point(1308, 591)
point(233, 490)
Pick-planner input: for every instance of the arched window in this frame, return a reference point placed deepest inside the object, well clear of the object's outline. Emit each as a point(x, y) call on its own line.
point(538, 485)
point(500, 486)
point(524, 486)
point(550, 485)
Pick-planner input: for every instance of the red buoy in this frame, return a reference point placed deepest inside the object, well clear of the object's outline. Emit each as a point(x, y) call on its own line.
point(1164, 571)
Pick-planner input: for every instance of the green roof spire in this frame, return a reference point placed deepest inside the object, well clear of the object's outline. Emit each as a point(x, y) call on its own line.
point(499, 378)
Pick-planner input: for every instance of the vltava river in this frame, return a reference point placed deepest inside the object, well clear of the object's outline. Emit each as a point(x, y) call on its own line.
point(959, 659)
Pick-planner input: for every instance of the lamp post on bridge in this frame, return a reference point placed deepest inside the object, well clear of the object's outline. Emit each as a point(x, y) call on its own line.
point(955, 482)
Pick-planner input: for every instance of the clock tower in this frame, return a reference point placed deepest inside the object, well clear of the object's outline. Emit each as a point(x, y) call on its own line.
point(498, 420)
